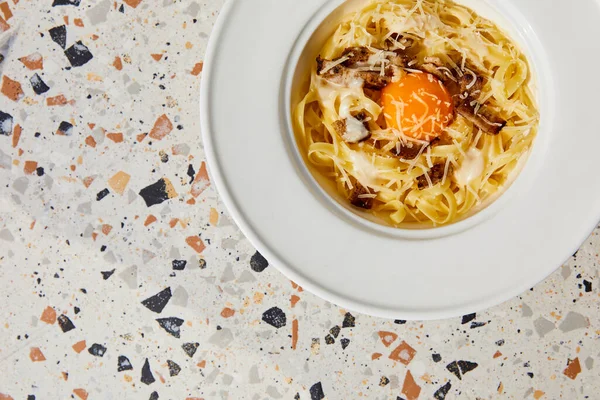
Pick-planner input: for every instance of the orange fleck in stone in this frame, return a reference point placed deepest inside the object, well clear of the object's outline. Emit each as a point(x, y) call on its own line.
point(5, 397)
point(188, 45)
point(150, 219)
point(294, 284)
point(293, 300)
point(32, 225)
point(202, 364)
point(294, 334)
point(91, 125)
point(410, 388)
point(201, 181)
point(66, 19)
point(191, 201)
point(195, 243)
point(132, 3)
point(4, 26)
point(65, 375)
point(16, 135)
point(95, 37)
point(376, 356)
point(197, 68)
point(79, 346)
point(5, 9)
point(118, 64)
point(162, 127)
point(11, 89)
point(30, 167)
point(36, 355)
point(500, 388)
point(173, 222)
point(94, 236)
point(73, 168)
point(33, 61)
point(403, 353)
point(92, 77)
point(141, 137)
point(573, 368)
point(106, 229)
point(87, 181)
point(118, 182)
point(127, 378)
point(156, 57)
point(387, 338)
point(81, 393)
point(214, 217)
point(116, 137)
point(497, 354)
point(48, 315)
point(59, 100)
point(227, 312)
point(538, 394)
point(90, 141)
point(78, 22)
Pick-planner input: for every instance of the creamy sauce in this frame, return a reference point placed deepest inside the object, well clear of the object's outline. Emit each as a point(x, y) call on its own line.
point(470, 168)
point(366, 173)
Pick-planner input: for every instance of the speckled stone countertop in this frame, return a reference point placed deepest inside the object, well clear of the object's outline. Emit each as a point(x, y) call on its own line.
point(124, 278)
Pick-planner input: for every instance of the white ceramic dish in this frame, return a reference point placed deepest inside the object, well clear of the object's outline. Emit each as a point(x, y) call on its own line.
point(409, 274)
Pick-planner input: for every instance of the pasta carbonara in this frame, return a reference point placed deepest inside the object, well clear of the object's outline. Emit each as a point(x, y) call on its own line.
point(418, 110)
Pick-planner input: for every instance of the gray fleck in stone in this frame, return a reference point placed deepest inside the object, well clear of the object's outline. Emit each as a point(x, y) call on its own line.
point(166, 210)
point(156, 243)
point(147, 255)
point(543, 326)
point(85, 208)
point(394, 382)
point(526, 311)
point(528, 332)
point(193, 9)
point(110, 257)
point(227, 379)
point(573, 321)
point(272, 391)
point(5, 160)
point(174, 253)
point(227, 275)
point(134, 88)
point(89, 229)
point(20, 184)
point(565, 271)
point(6, 235)
point(182, 149)
point(556, 348)
point(203, 35)
point(221, 338)
point(16, 199)
point(265, 334)
point(589, 363)
point(234, 291)
point(48, 181)
point(212, 376)
point(253, 375)
point(228, 243)
point(130, 276)
point(180, 297)
point(97, 14)
point(34, 321)
point(528, 393)
point(368, 372)
point(246, 276)
point(131, 196)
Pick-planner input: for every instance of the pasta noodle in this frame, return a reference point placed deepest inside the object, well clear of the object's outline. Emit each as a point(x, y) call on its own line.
point(471, 165)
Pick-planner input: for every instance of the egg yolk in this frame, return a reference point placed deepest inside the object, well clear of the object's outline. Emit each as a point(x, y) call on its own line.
point(418, 105)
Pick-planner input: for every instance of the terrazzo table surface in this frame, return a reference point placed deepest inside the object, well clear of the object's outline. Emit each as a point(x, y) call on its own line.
point(124, 278)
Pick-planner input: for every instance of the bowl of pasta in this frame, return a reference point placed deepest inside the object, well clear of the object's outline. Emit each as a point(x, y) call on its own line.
point(404, 158)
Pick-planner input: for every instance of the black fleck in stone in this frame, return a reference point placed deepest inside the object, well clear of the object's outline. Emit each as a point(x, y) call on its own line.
point(6, 124)
point(147, 376)
point(477, 324)
point(39, 171)
point(348, 321)
point(38, 85)
point(97, 350)
point(66, 3)
point(179, 265)
point(153, 395)
point(530, 374)
point(468, 318)
point(76, 310)
point(436, 357)
point(37, 134)
point(202, 263)
point(103, 248)
point(122, 9)
point(78, 54)
point(384, 381)
point(107, 274)
point(258, 263)
point(297, 396)
point(66, 128)
point(174, 368)
point(466, 366)
point(171, 325)
point(345, 342)
point(191, 173)
point(158, 302)
point(329, 339)
point(274, 317)
point(65, 323)
point(441, 393)
point(588, 286)
point(335, 331)
point(155, 193)
point(400, 321)
point(102, 194)
point(500, 342)
point(58, 34)
point(453, 367)
point(31, 397)
point(190, 348)
point(124, 364)
point(316, 391)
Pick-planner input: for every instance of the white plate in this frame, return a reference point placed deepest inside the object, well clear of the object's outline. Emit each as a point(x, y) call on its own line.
point(536, 225)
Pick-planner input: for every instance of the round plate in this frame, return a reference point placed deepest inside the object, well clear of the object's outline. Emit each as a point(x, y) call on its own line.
point(537, 224)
